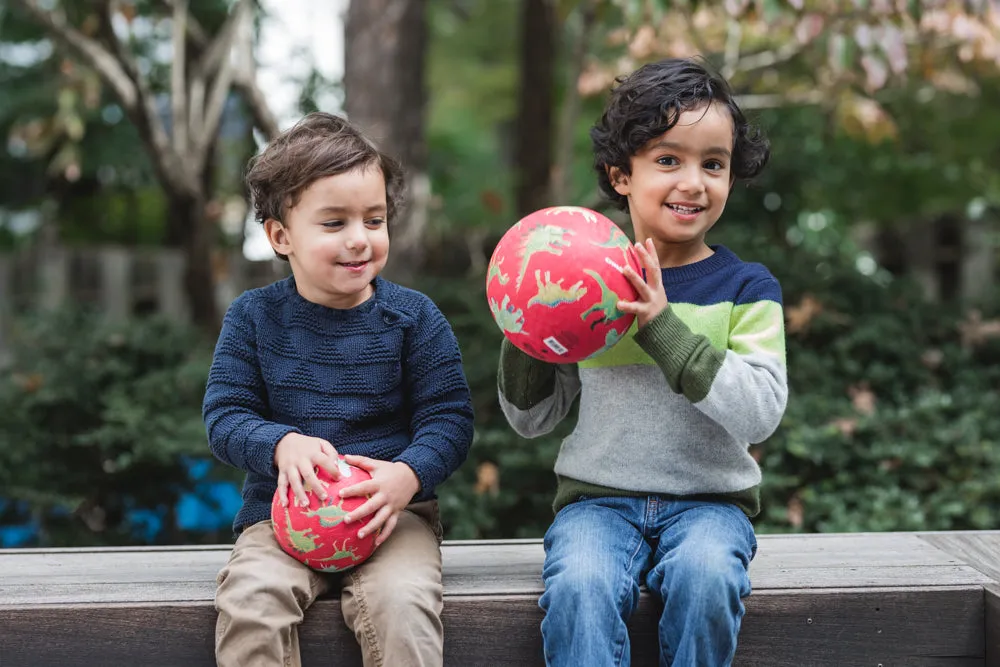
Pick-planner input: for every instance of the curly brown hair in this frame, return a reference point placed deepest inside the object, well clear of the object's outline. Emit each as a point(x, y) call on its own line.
point(319, 145)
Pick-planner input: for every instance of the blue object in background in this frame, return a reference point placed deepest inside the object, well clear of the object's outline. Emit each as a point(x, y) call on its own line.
point(209, 507)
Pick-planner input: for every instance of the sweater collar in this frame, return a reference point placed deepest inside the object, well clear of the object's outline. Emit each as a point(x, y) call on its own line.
point(721, 257)
point(363, 308)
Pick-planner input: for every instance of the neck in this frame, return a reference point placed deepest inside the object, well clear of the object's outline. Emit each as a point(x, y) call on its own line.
point(335, 301)
point(672, 255)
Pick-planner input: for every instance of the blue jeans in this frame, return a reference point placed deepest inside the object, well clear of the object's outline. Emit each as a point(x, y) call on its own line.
point(693, 556)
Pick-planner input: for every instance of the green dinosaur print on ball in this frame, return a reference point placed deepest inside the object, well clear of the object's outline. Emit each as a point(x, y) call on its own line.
point(552, 294)
point(607, 306)
point(543, 238)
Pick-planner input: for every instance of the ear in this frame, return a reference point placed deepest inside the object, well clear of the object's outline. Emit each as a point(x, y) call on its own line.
point(277, 235)
point(619, 181)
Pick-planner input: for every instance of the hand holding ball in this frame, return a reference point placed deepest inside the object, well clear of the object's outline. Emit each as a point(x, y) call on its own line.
point(317, 535)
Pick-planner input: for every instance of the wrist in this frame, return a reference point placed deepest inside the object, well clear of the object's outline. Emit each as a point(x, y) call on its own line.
point(411, 477)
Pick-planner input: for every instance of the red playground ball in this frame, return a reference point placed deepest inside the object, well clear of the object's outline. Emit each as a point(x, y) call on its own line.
point(555, 280)
point(317, 535)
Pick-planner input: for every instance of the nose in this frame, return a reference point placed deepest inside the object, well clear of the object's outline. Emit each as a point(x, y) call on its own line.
point(692, 181)
point(357, 238)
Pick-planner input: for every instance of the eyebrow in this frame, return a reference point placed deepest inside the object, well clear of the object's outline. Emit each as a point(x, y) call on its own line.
point(713, 150)
point(339, 210)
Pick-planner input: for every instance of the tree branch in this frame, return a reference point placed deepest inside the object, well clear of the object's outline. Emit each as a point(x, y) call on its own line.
point(244, 77)
point(734, 35)
point(89, 50)
point(178, 80)
point(699, 41)
point(571, 105)
point(773, 101)
point(237, 35)
point(767, 58)
point(132, 91)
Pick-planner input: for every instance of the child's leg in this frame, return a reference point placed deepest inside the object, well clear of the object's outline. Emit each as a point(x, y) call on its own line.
point(594, 557)
point(262, 595)
point(393, 600)
point(700, 572)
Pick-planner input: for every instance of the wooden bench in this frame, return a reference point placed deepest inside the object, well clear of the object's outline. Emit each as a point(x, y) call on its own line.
point(918, 599)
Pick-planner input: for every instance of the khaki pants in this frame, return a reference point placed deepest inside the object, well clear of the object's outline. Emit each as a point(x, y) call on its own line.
point(392, 601)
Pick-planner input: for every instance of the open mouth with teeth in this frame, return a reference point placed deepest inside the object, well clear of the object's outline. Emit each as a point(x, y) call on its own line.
point(353, 265)
point(686, 210)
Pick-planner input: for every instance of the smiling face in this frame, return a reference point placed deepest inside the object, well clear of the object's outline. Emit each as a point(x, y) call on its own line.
point(679, 184)
point(336, 237)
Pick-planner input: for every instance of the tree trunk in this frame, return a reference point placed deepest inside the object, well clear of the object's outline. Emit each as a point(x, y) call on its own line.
point(187, 212)
point(385, 94)
point(535, 126)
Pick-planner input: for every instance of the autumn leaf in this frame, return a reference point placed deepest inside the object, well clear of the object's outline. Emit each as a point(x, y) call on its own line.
point(795, 511)
point(932, 358)
point(862, 398)
point(845, 425)
point(799, 316)
point(29, 383)
point(487, 479)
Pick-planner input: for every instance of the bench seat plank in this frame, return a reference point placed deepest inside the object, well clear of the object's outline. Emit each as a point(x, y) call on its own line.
point(470, 568)
point(889, 598)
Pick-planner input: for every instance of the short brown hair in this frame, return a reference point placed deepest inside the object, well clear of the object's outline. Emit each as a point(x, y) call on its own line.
point(319, 145)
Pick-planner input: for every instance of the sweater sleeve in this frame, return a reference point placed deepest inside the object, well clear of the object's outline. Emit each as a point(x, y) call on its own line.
point(744, 388)
point(235, 409)
point(534, 395)
point(441, 423)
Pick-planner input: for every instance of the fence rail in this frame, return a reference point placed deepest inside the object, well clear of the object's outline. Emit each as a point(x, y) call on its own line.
point(119, 281)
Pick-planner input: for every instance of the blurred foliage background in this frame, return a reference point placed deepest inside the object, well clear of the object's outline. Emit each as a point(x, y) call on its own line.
point(879, 213)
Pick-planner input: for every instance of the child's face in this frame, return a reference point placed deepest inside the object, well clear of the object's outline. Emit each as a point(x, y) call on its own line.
point(336, 237)
point(680, 181)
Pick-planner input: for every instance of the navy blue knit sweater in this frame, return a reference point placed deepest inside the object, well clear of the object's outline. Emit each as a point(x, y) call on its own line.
point(383, 380)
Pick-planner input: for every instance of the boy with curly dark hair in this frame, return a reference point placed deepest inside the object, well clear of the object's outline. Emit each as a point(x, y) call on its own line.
point(332, 361)
point(656, 484)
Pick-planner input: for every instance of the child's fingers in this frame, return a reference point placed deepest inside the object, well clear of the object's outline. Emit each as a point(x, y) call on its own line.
point(311, 480)
point(321, 460)
point(630, 307)
point(637, 282)
point(362, 462)
point(387, 529)
point(653, 276)
point(371, 505)
point(283, 488)
point(295, 481)
point(328, 460)
point(365, 488)
point(377, 521)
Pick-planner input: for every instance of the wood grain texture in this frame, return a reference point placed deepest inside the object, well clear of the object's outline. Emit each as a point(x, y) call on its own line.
point(980, 550)
point(784, 628)
point(892, 599)
point(991, 602)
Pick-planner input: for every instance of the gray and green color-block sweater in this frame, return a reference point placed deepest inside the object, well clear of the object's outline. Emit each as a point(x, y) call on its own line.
point(671, 409)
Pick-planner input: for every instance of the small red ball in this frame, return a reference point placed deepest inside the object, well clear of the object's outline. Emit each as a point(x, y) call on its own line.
point(317, 535)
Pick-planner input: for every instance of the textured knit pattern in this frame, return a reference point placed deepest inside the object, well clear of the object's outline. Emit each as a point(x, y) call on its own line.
point(383, 380)
point(673, 407)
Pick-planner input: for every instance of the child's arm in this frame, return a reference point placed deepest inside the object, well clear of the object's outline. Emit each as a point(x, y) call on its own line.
point(235, 408)
point(534, 395)
point(743, 388)
point(441, 418)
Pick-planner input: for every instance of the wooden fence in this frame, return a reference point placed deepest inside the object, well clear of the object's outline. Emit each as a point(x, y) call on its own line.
point(118, 281)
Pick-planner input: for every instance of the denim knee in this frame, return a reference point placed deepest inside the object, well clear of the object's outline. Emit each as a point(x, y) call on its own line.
point(584, 585)
point(711, 580)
